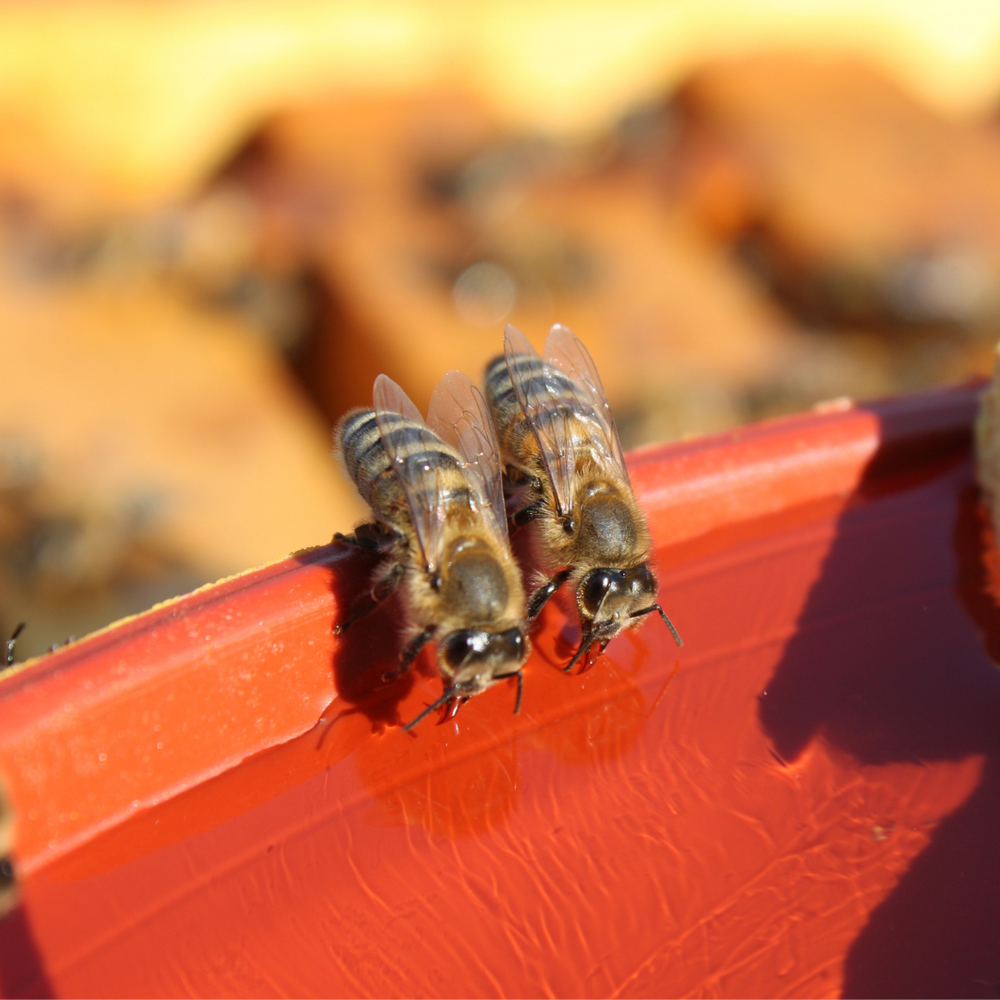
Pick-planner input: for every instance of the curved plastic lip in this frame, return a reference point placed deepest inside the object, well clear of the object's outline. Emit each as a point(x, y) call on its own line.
point(156, 704)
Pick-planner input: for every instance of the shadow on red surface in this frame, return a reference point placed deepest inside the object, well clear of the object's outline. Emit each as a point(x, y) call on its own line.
point(22, 972)
point(905, 679)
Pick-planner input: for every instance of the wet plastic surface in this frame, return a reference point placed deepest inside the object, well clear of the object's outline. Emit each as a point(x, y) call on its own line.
point(803, 801)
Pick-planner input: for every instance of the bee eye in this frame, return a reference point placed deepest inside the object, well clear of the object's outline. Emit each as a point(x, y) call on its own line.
point(594, 588)
point(643, 581)
point(470, 646)
point(458, 647)
point(510, 645)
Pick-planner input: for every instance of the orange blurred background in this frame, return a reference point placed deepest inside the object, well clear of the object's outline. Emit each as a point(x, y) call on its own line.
point(220, 220)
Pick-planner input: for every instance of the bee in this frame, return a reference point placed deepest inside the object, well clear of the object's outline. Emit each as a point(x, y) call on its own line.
point(11, 644)
point(567, 478)
point(435, 490)
point(8, 877)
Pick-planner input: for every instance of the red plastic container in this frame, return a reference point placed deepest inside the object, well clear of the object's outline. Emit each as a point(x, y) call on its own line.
point(215, 798)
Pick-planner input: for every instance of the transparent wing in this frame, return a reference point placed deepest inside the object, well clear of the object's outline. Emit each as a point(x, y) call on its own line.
point(542, 390)
point(405, 443)
point(458, 414)
point(566, 351)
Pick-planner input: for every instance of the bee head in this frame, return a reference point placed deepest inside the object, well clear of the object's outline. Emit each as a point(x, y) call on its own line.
point(609, 597)
point(474, 659)
point(471, 660)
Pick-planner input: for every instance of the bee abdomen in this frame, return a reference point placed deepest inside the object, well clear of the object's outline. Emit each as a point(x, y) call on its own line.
point(368, 461)
point(554, 393)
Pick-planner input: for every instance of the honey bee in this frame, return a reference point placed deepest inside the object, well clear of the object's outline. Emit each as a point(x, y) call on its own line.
point(567, 479)
point(8, 878)
point(11, 645)
point(435, 490)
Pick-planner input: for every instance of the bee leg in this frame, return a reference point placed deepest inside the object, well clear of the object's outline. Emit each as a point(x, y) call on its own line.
point(410, 652)
point(541, 596)
point(585, 643)
point(663, 615)
point(530, 513)
point(12, 642)
point(446, 697)
point(365, 605)
point(370, 536)
point(515, 478)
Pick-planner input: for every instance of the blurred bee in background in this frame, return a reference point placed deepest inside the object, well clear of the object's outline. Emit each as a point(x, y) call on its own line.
point(567, 478)
point(436, 493)
point(11, 646)
point(8, 877)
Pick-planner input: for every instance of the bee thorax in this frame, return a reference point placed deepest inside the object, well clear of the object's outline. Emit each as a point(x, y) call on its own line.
point(608, 530)
point(474, 584)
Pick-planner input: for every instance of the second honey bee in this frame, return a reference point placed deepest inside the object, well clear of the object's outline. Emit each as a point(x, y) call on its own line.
point(435, 490)
point(564, 462)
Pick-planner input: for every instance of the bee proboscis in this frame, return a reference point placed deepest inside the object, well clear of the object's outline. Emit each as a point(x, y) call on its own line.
point(435, 490)
point(567, 479)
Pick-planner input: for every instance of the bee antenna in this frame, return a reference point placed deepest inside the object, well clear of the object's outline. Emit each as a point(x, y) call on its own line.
point(446, 697)
point(663, 615)
point(585, 643)
point(11, 642)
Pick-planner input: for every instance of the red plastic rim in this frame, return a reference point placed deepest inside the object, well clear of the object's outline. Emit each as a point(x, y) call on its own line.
point(215, 797)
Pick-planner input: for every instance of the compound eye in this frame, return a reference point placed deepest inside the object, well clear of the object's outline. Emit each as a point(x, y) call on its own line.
point(511, 645)
point(595, 587)
point(458, 647)
point(643, 581)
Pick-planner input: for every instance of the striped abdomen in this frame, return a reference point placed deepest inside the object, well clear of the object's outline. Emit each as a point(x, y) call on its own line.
point(554, 404)
point(368, 463)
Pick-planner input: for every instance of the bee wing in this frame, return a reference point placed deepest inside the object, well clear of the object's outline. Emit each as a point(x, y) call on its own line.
point(458, 414)
point(566, 351)
point(420, 481)
point(541, 395)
